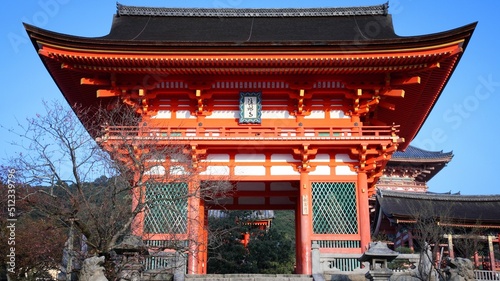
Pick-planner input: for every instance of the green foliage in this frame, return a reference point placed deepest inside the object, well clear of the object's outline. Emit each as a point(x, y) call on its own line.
point(269, 252)
point(401, 264)
point(272, 252)
point(404, 250)
point(284, 221)
point(227, 254)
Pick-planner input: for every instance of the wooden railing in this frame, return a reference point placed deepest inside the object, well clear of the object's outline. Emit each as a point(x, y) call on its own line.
point(486, 275)
point(115, 132)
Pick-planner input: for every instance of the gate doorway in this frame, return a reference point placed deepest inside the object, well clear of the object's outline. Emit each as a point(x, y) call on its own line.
point(249, 241)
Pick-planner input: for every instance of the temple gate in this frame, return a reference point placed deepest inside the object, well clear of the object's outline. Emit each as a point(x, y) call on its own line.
point(300, 109)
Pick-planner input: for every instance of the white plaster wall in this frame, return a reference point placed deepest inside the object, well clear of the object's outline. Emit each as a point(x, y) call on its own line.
point(216, 158)
point(184, 114)
point(316, 114)
point(249, 170)
point(344, 171)
point(283, 171)
point(322, 157)
point(344, 158)
point(283, 158)
point(216, 171)
point(224, 114)
point(276, 114)
point(338, 114)
point(242, 157)
point(156, 171)
point(163, 114)
point(321, 171)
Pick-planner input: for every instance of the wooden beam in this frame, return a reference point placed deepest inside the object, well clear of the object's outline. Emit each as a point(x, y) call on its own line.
point(94, 81)
point(300, 104)
point(387, 105)
point(399, 93)
point(406, 80)
point(108, 93)
point(376, 122)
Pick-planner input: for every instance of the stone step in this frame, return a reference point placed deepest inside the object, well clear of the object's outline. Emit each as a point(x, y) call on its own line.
point(248, 277)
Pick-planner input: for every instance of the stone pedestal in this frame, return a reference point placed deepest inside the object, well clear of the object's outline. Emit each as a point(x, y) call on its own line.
point(379, 274)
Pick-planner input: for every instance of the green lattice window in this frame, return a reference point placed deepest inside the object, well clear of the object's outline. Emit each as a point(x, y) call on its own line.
point(167, 208)
point(334, 208)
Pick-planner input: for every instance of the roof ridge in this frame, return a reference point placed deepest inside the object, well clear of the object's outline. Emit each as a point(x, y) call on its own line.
point(438, 196)
point(379, 10)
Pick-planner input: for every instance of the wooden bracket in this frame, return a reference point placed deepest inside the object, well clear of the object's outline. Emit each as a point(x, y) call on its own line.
point(94, 81)
point(306, 154)
point(300, 106)
point(201, 102)
point(196, 154)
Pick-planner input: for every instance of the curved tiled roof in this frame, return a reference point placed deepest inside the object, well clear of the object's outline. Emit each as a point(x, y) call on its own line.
point(415, 153)
point(430, 162)
point(255, 215)
point(205, 25)
point(459, 208)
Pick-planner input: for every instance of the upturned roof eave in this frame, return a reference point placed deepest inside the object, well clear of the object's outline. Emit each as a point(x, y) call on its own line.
point(101, 43)
point(439, 196)
point(446, 159)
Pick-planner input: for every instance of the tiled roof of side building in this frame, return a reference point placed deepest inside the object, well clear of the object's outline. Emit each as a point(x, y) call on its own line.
point(412, 152)
point(472, 208)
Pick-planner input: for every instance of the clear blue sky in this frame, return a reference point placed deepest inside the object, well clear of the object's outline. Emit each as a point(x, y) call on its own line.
point(463, 121)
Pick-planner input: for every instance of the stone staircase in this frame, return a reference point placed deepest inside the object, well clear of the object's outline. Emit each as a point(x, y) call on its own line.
point(249, 277)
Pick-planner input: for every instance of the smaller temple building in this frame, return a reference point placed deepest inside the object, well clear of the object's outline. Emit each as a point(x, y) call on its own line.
point(405, 213)
point(455, 225)
point(410, 170)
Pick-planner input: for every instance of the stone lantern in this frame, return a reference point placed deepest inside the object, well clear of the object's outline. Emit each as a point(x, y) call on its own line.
point(130, 253)
point(378, 255)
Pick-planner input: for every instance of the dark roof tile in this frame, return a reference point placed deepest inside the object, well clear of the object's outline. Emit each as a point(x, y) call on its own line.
point(412, 152)
point(272, 26)
point(471, 208)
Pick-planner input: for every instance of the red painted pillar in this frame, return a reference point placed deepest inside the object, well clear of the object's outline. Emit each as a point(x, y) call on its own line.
point(193, 216)
point(476, 260)
point(305, 220)
point(298, 245)
point(363, 212)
